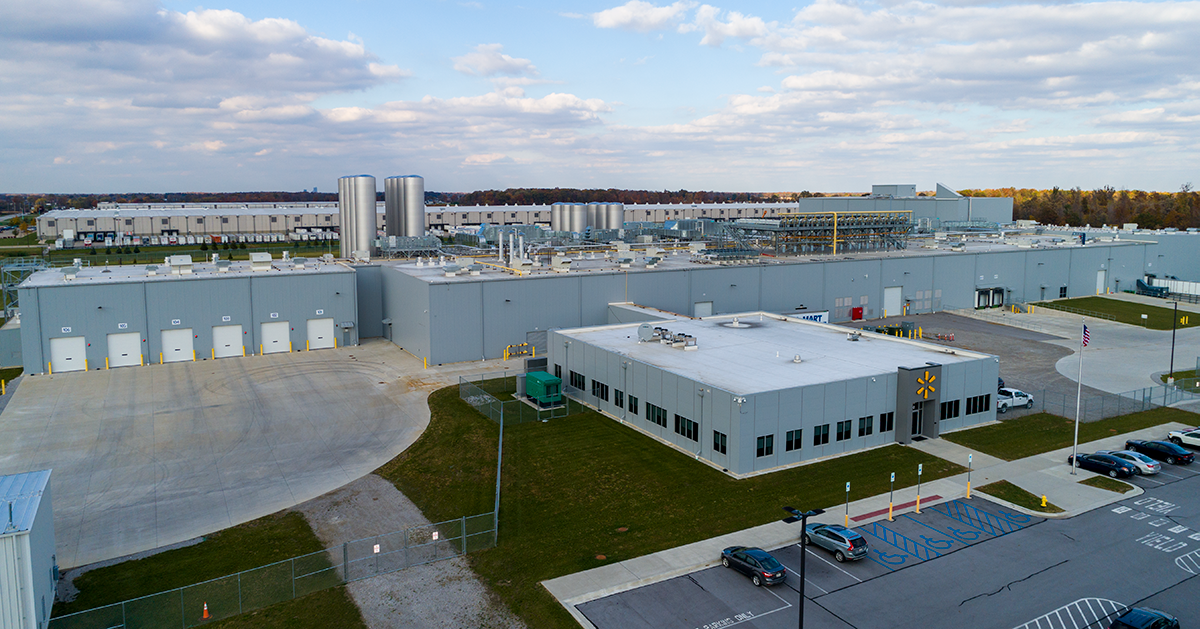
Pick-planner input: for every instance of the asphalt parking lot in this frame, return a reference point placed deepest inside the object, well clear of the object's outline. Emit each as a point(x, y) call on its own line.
point(960, 563)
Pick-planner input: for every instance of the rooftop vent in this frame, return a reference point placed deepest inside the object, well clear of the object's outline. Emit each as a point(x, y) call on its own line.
point(451, 270)
point(853, 336)
point(647, 334)
point(475, 269)
point(222, 266)
point(70, 272)
point(260, 261)
point(180, 265)
point(797, 359)
point(298, 263)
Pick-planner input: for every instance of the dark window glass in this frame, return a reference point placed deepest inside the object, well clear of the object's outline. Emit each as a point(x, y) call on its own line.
point(792, 440)
point(719, 442)
point(766, 445)
point(843, 430)
point(633, 405)
point(887, 422)
point(866, 425)
point(821, 435)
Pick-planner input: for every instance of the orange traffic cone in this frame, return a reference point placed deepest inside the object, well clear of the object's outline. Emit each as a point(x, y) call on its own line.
point(205, 616)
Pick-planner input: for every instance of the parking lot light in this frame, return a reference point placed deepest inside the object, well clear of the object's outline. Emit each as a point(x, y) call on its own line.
point(802, 517)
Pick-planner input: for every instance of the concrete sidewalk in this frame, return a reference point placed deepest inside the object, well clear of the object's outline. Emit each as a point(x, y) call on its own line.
point(1044, 474)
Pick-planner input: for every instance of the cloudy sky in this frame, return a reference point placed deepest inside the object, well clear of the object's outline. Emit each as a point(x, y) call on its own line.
point(832, 95)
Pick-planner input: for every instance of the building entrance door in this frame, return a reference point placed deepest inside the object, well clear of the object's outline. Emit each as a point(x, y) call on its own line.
point(918, 418)
point(892, 301)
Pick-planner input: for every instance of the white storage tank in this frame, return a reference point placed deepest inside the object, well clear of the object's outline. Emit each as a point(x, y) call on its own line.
point(578, 217)
point(556, 217)
point(356, 206)
point(393, 202)
point(593, 215)
point(616, 216)
point(28, 564)
point(414, 206)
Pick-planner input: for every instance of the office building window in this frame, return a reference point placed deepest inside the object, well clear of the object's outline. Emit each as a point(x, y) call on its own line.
point(600, 390)
point(843, 430)
point(866, 425)
point(719, 442)
point(165, 221)
point(949, 409)
point(821, 435)
point(766, 445)
point(274, 219)
point(979, 404)
point(199, 221)
point(887, 422)
point(688, 428)
point(224, 219)
point(49, 223)
point(656, 415)
point(619, 398)
point(577, 380)
point(633, 405)
point(129, 222)
point(1062, 292)
point(90, 222)
point(792, 440)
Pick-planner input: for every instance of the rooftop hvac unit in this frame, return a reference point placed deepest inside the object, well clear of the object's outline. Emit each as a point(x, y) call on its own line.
point(560, 263)
point(298, 263)
point(222, 266)
point(70, 272)
point(451, 270)
point(260, 261)
point(180, 265)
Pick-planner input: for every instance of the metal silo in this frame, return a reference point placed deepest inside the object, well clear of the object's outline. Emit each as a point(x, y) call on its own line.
point(556, 217)
point(593, 214)
point(414, 205)
point(578, 217)
point(356, 205)
point(393, 202)
point(616, 216)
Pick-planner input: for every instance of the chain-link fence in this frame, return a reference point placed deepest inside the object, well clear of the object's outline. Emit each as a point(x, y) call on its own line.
point(499, 396)
point(1097, 407)
point(227, 596)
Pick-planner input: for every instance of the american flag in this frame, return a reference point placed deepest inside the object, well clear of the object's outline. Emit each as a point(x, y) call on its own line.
point(1086, 337)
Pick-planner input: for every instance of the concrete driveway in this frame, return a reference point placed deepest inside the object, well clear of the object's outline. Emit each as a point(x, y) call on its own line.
point(149, 456)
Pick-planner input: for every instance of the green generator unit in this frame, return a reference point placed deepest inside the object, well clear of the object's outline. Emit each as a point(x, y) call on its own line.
point(543, 388)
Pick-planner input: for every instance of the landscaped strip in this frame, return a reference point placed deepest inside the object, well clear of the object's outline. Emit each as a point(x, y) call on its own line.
point(1007, 491)
point(1157, 317)
point(1104, 482)
point(585, 491)
point(1043, 432)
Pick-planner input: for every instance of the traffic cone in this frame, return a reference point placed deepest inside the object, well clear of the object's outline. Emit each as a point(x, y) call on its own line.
point(205, 616)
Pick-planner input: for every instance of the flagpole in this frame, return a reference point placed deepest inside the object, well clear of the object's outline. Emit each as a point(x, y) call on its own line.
point(1078, 397)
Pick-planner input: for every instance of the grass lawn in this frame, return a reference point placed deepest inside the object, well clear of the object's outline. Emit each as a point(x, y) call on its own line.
point(263, 541)
point(1104, 482)
point(1158, 317)
point(1005, 490)
point(1043, 432)
point(8, 373)
point(585, 486)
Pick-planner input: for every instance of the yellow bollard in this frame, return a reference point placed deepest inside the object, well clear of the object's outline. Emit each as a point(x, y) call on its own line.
point(214, 353)
point(533, 349)
point(160, 358)
point(847, 520)
point(260, 349)
point(968, 490)
point(141, 360)
point(918, 503)
point(889, 511)
point(85, 365)
point(106, 362)
point(50, 368)
point(243, 351)
point(289, 346)
point(193, 355)
point(920, 332)
point(426, 360)
point(306, 346)
point(3, 388)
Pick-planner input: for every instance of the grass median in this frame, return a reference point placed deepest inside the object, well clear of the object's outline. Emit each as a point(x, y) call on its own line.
point(585, 491)
point(1009, 492)
point(1043, 432)
point(1157, 317)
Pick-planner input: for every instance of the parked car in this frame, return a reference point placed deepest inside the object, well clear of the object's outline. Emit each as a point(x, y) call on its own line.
point(755, 563)
point(1142, 463)
point(1145, 618)
point(1105, 464)
point(837, 539)
point(1189, 437)
point(1161, 450)
point(1008, 398)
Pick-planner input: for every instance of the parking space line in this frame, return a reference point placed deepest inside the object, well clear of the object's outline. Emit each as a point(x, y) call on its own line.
point(1083, 610)
point(1151, 480)
point(884, 534)
point(808, 581)
point(1189, 562)
point(833, 564)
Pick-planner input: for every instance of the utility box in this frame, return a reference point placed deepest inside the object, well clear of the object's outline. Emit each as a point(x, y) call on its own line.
point(543, 388)
point(28, 565)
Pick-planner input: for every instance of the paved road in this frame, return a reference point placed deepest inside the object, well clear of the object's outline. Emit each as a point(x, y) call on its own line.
point(959, 568)
point(149, 456)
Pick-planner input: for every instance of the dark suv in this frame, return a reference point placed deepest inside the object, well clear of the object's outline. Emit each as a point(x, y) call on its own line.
point(1161, 450)
point(1145, 618)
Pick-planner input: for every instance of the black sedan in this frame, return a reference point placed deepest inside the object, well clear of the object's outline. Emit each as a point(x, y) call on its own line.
point(1105, 464)
point(755, 563)
point(1161, 450)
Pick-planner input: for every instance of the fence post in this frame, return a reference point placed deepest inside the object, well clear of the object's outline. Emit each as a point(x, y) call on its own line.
point(464, 533)
point(239, 592)
point(346, 562)
point(293, 562)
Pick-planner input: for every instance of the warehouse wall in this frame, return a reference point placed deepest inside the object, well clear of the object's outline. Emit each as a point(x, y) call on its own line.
point(405, 300)
point(370, 301)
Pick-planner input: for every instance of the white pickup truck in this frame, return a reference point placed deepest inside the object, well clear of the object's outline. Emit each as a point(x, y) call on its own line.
point(1012, 398)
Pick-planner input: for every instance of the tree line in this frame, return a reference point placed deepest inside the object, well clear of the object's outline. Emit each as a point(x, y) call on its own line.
point(1102, 206)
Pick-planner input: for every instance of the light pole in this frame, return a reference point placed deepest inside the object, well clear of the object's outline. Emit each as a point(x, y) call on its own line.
point(801, 517)
point(1174, 320)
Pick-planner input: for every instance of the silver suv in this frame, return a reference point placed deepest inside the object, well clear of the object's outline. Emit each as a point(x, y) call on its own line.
point(841, 541)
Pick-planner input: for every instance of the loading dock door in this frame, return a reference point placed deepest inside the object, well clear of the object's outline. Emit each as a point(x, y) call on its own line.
point(320, 334)
point(125, 350)
point(702, 309)
point(177, 346)
point(227, 341)
point(68, 354)
point(892, 306)
point(276, 337)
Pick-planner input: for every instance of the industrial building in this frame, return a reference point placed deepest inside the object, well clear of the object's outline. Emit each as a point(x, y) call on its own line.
point(78, 318)
point(142, 220)
point(28, 560)
point(757, 391)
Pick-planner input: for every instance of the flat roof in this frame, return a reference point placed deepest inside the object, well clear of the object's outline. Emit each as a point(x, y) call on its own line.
point(24, 493)
point(759, 357)
point(132, 273)
point(591, 259)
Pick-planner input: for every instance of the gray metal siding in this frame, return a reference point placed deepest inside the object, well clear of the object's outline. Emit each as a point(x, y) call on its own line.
point(456, 314)
point(195, 304)
point(405, 301)
point(10, 347)
point(369, 284)
point(32, 355)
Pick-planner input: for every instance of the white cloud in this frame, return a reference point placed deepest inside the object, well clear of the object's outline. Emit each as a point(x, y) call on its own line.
point(489, 60)
point(642, 17)
point(717, 27)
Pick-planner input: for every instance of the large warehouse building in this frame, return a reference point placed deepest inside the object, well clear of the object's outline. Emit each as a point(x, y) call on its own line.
point(197, 219)
point(105, 317)
point(758, 391)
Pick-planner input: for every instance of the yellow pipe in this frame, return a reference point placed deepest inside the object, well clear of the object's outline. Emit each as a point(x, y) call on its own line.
point(214, 353)
point(306, 345)
point(3, 388)
point(889, 511)
point(835, 233)
point(918, 503)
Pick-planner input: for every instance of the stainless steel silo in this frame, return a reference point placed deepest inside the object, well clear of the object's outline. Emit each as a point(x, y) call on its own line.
point(616, 216)
point(393, 203)
point(593, 212)
point(556, 217)
point(414, 205)
point(578, 217)
point(356, 207)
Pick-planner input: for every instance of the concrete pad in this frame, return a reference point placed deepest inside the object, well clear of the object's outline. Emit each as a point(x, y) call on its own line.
point(149, 456)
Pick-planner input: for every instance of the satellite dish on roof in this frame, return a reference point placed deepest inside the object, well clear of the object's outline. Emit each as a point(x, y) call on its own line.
point(645, 332)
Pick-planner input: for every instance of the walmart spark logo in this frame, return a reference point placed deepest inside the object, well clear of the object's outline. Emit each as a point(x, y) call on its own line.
point(926, 385)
